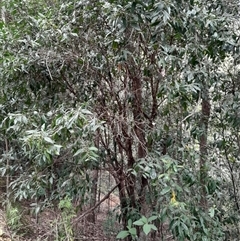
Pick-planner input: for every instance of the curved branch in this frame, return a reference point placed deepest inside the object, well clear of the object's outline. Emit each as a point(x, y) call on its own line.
point(97, 204)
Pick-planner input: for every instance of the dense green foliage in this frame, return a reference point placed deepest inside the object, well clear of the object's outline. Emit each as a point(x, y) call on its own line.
point(147, 90)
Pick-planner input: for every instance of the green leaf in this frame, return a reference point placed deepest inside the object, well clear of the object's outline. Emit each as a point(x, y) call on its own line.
point(211, 212)
point(144, 219)
point(115, 45)
point(147, 228)
point(150, 219)
point(78, 152)
point(129, 223)
point(123, 234)
point(51, 180)
point(133, 231)
point(48, 139)
point(153, 227)
point(93, 148)
point(139, 222)
point(165, 190)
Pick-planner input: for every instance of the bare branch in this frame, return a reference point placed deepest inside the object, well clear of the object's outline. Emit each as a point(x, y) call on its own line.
point(97, 204)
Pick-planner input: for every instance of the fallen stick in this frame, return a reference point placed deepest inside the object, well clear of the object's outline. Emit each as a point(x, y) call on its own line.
point(97, 204)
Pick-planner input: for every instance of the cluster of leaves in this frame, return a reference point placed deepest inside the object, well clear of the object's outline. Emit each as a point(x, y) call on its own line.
point(175, 204)
point(54, 148)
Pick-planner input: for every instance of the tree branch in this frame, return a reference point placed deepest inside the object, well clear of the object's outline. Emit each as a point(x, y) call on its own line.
point(97, 204)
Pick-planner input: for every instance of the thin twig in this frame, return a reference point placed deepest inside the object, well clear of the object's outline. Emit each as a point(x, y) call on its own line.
point(8, 177)
point(97, 204)
point(49, 72)
point(193, 112)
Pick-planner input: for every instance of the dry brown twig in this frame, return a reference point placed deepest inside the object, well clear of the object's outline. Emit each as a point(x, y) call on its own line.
point(97, 204)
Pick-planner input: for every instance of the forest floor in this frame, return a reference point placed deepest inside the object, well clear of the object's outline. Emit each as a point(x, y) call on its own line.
point(49, 226)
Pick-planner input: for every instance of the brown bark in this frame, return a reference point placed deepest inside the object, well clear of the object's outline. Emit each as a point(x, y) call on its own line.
point(139, 129)
point(94, 187)
point(205, 115)
point(92, 217)
point(121, 106)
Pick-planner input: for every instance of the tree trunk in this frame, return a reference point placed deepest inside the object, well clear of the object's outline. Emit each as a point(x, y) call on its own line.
point(139, 129)
point(205, 115)
point(92, 217)
point(94, 187)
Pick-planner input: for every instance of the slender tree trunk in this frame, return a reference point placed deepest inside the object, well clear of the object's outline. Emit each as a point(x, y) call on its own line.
point(7, 176)
point(205, 115)
point(94, 188)
point(93, 200)
point(139, 129)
